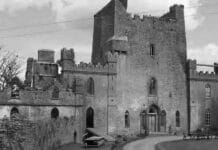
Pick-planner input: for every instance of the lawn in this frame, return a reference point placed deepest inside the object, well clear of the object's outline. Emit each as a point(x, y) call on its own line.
point(189, 145)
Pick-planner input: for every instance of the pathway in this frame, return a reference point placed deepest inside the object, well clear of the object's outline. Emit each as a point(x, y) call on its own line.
point(149, 143)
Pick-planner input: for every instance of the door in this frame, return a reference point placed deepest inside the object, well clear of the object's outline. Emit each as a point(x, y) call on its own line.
point(152, 123)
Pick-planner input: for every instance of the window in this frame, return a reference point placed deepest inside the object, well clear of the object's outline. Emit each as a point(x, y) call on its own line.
point(55, 93)
point(177, 119)
point(90, 118)
point(74, 86)
point(14, 112)
point(127, 119)
point(90, 86)
point(208, 90)
point(163, 118)
point(54, 113)
point(153, 86)
point(152, 50)
point(208, 118)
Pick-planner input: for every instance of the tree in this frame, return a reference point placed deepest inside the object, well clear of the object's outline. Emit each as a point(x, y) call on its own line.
point(10, 67)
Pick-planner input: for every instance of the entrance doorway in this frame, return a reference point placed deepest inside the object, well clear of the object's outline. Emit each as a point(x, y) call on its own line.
point(153, 118)
point(90, 118)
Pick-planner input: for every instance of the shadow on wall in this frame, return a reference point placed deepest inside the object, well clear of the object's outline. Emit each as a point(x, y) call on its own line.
point(18, 133)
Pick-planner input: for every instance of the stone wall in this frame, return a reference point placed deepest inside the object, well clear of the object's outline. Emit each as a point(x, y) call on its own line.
point(135, 65)
point(199, 102)
point(22, 134)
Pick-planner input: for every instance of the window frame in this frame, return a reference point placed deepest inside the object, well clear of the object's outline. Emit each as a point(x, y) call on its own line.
point(127, 119)
point(152, 50)
point(178, 119)
point(208, 90)
point(208, 117)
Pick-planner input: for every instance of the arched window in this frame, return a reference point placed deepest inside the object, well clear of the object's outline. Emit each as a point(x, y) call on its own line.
point(75, 137)
point(143, 117)
point(14, 111)
point(208, 117)
point(55, 93)
point(163, 118)
point(177, 119)
point(127, 119)
point(153, 86)
point(54, 113)
point(91, 86)
point(90, 118)
point(207, 90)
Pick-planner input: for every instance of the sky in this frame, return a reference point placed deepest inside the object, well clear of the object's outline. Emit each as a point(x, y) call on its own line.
point(22, 29)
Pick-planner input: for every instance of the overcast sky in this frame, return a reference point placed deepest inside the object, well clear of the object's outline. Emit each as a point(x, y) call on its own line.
point(201, 25)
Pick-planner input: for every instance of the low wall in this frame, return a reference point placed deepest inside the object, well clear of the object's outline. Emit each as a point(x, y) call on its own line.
point(18, 133)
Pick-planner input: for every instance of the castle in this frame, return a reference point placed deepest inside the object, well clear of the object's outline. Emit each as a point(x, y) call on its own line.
point(139, 79)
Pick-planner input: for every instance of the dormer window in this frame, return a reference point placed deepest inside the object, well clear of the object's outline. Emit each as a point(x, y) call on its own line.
point(152, 50)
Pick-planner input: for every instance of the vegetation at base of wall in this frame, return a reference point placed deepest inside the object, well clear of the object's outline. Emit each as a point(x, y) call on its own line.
point(18, 133)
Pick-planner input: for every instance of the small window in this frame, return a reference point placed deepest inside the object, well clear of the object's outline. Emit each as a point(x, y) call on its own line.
point(208, 118)
point(177, 119)
point(152, 50)
point(14, 112)
point(91, 86)
point(55, 93)
point(127, 119)
point(74, 86)
point(54, 113)
point(208, 90)
point(46, 68)
point(163, 118)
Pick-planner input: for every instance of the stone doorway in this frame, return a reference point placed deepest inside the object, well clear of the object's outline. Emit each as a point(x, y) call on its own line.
point(153, 118)
point(90, 118)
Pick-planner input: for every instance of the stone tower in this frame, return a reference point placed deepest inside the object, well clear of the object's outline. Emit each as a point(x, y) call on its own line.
point(105, 22)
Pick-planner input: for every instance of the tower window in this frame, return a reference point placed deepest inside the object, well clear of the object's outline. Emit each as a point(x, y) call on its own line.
point(91, 86)
point(208, 118)
point(127, 120)
point(208, 91)
point(152, 50)
point(177, 119)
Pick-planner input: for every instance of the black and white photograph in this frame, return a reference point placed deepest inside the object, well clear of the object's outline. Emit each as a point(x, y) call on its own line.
point(108, 74)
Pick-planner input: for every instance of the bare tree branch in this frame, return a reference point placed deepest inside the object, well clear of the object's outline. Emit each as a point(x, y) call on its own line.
point(10, 67)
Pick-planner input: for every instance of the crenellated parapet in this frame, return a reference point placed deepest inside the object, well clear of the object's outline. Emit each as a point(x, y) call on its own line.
point(200, 75)
point(167, 22)
point(92, 69)
point(109, 67)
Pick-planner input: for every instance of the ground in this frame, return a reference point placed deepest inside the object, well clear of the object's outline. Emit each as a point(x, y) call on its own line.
point(189, 145)
point(149, 143)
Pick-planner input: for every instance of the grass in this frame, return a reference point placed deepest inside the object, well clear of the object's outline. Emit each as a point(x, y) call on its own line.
point(188, 145)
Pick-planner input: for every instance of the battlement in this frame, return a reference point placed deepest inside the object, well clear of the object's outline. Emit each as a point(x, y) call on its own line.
point(200, 75)
point(160, 23)
point(141, 18)
point(109, 68)
point(167, 21)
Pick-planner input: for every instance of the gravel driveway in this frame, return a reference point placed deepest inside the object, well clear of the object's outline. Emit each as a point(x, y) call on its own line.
point(149, 143)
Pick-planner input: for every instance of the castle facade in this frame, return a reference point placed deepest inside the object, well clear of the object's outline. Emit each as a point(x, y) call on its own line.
point(139, 79)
